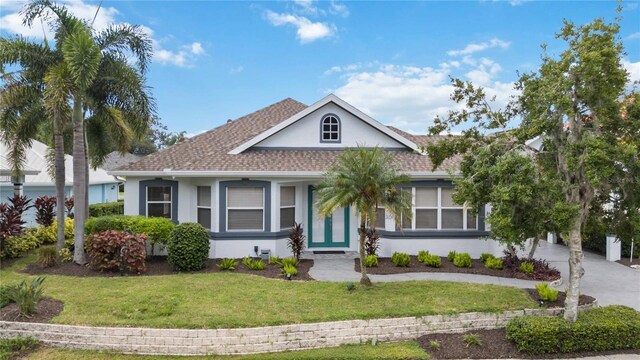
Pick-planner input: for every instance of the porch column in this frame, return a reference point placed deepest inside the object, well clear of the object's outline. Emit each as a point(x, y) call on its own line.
point(17, 181)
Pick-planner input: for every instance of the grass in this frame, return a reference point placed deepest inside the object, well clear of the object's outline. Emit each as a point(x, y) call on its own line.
point(221, 300)
point(9, 348)
point(402, 350)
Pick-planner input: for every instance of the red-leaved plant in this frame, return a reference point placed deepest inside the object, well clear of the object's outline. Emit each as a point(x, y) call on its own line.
point(11, 217)
point(45, 210)
point(117, 250)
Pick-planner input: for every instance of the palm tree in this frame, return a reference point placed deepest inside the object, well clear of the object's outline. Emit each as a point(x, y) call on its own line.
point(96, 78)
point(365, 179)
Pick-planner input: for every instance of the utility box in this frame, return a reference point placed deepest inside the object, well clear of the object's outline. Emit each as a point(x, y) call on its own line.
point(265, 254)
point(614, 248)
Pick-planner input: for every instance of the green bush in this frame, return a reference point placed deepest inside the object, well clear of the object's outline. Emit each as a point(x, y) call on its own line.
point(422, 255)
point(485, 256)
point(599, 329)
point(49, 234)
point(400, 259)
point(65, 255)
point(494, 263)
point(188, 248)
point(462, 260)
point(27, 295)
point(289, 261)
point(5, 295)
point(17, 246)
point(371, 261)
point(526, 267)
point(253, 264)
point(10, 348)
point(433, 261)
point(47, 256)
point(104, 209)
point(274, 260)
point(472, 340)
point(228, 264)
point(546, 293)
point(451, 255)
point(157, 229)
point(290, 270)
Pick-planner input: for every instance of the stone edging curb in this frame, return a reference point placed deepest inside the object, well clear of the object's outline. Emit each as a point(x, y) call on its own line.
point(260, 339)
point(556, 283)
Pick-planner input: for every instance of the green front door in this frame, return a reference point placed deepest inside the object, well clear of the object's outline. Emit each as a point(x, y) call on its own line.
point(330, 231)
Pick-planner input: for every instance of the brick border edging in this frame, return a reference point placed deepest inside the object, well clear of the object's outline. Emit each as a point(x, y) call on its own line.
point(260, 339)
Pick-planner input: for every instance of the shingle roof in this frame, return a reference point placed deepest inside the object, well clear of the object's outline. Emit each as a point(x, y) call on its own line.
point(209, 151)
point(115, 160)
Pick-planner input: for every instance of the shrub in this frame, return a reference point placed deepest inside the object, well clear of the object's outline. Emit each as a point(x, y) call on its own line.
point(485, 256)
point(5, 295)
point(289, 261)
point(17, 246)
point(434, 345)
point(117, 250)
point(422, 255)
point(296, 240)
point(400, 259)
point(371, 261)
point(274, 260)
point(189, 247)
point(451, 255)
point(49, 234)
point(546, 293)
point(372, 242)
point(290, 270)
point(68, 205)
point(541, 269)
point(27, 295)
point(462, 260)
point(472, 339)
point(526, 267)
point(110, 208)
point(599, 329)
point(45, 210)
point(11, 218)
point(157, 229)
point(228, 264)
point(433, 261)
point(65, 255)
point(47, 256)
point(253, 264)
point(494, 263)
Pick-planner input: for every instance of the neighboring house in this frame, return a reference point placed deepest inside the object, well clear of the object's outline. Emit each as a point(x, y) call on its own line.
point(102, 186)
point(115, 160)
point(248, 180)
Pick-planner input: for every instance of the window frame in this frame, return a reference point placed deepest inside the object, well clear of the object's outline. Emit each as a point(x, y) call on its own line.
point(263, 208)
point(287, 207)
point(329, 132)
point(170, 201)
point(439, 207)
point(210, 207)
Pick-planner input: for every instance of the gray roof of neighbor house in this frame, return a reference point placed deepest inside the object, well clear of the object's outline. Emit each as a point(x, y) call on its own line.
point(209, 151)
point(115, 160)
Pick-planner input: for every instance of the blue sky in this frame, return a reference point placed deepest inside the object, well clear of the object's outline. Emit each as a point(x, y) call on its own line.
point(219, 60)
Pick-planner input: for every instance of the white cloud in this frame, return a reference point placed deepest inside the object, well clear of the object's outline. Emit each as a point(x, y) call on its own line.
point(410, 97)
point(306, 30)
point(633, 68)
point(338, 9)
point(634, 36)
point(473, 47)
point(236, 70)
point(105, 17)
point(307, 7)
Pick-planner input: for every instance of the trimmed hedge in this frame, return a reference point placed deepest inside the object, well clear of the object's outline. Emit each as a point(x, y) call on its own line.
point(157, 229)
point(600, 329)
point(189, 247)
point(104, 209)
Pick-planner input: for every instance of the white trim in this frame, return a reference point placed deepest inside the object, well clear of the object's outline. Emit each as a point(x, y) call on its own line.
point(327, 99)
point(417, 175)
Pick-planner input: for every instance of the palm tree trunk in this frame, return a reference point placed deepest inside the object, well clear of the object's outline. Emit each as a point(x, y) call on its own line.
point(58, 140)
point(79, 181)
point(364, 280)
point(86, 171)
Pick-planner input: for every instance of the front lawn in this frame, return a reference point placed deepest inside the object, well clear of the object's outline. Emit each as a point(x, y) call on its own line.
point(220, 300)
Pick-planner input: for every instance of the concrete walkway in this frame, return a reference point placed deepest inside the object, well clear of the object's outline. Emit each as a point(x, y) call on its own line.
point(609, 282)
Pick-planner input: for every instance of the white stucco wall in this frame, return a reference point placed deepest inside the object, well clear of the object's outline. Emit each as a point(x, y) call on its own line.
point(440, 247)
point(242, 248)
point(306, 132)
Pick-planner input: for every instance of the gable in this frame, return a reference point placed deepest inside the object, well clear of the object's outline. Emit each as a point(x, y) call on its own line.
point(307, 132)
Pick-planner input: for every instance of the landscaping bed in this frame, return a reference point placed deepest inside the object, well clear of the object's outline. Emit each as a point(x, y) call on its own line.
point(46, 309)
point(158, 265)
point(494, 345)
point(559, 302)
point(386, 267)
point(626, 262)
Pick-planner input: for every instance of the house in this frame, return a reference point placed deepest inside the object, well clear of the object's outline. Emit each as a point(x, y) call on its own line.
point(115, 160)
point(248, 180)
point(37, 181)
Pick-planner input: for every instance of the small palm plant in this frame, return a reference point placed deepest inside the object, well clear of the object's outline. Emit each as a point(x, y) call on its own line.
point(366, 179)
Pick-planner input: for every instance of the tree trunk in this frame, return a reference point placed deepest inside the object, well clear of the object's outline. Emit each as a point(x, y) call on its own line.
point(534, 246)
point(79, 182)
point(86, 171)
point(575, 272)
point(364, 280)
point(58, 140)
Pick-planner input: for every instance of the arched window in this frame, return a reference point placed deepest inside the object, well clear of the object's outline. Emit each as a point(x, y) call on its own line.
point(330, 129)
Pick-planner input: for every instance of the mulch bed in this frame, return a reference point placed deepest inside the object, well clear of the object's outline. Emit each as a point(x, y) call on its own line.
point(386, 267)
point(158, 265)
point(494, 346)
point(625, 262)
point(582, 300)
point(46, 309)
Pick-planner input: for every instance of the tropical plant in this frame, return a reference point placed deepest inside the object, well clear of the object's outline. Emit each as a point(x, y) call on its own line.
point(17, 246)
point(289, 261)
point(462, 260)
point(485, 256)
point(364, 179)
point(526, 267)
point(472, 339)
point(372, 242)
point(295, 243)
point(289, 270)
point(422, 255)
point(65, 255)
point(47, 256)
point(451, 255)
point(400, 259)
point(117, 250)
point(69, 204)
point(494, 263)
point(45, 210)
point(253, 264)
point(546, 293)
point(433, 261)
point(27, 295)
point(228, 264)
point(274, 260)
point(371, 261)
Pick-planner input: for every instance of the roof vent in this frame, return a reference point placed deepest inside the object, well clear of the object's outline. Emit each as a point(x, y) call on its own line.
point(229, 120)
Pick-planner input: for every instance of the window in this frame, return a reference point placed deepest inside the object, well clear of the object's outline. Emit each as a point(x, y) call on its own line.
point(330, 129)
point(287, 206)
point(159, 201)
point(380, 219)
point(434, 209)
point(245, 208)
point(203, 206)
